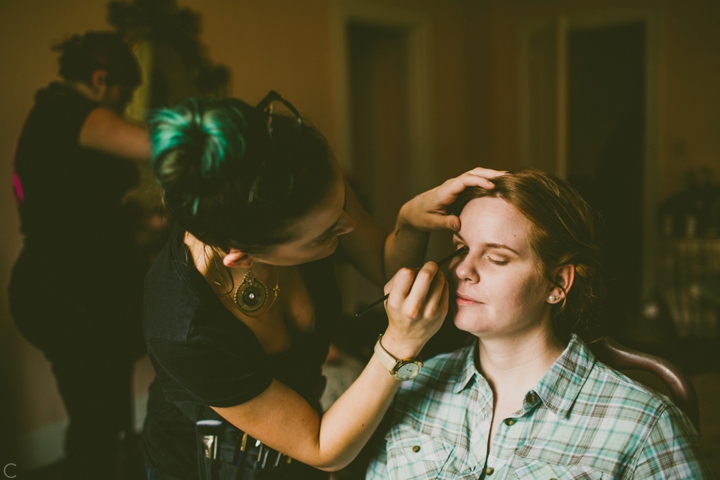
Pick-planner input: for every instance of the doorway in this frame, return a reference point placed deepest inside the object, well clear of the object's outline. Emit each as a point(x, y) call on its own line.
point(384, 140)
point(379, 112)
point(605, 151)
point(589, 114)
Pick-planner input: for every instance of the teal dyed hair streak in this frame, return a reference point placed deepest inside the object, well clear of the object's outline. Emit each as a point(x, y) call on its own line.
point(203, 125)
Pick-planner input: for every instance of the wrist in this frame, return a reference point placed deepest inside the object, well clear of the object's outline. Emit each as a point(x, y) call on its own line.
point(405, 215)
point(401, 348)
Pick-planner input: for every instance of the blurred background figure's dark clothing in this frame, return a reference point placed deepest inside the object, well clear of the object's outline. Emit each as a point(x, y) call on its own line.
point(76, 288)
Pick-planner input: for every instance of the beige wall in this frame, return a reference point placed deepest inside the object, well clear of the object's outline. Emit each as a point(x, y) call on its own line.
point(287, 45)
point(689, 75)
point(279, 44)
point(691, 90)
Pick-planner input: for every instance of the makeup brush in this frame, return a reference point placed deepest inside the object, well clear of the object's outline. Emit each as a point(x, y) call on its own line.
point(440, 264)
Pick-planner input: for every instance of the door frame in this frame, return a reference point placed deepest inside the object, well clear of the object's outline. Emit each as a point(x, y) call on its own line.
point(419, 121)
point(651, 17)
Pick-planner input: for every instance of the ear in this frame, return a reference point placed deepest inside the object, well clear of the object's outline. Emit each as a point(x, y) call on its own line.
point(564, 277)
point(236, 258)
point(98, 79)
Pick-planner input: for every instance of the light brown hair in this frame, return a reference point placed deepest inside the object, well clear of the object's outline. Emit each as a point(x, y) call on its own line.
point(564, 233)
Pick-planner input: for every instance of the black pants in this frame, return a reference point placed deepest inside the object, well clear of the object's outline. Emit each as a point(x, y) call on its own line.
point(90, 335)
point(97, 393)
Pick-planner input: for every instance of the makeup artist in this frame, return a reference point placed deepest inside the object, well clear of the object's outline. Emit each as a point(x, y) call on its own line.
point(76, 287)
point(240, 303)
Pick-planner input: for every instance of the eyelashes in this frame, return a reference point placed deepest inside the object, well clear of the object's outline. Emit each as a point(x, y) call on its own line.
point(500, 263)
point(326, 241)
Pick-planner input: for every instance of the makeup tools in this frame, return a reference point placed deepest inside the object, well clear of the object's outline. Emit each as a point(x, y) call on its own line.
point(440, 264)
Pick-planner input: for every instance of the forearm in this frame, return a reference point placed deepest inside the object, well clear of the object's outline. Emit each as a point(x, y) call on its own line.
point(347, 426)
point(282, 420)
point(105, 131)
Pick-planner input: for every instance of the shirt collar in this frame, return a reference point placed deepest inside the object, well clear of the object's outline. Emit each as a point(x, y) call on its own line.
point(560, 386)
point(469, 371)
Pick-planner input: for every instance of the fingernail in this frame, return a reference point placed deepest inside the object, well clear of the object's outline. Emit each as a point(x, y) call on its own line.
point(454, 225)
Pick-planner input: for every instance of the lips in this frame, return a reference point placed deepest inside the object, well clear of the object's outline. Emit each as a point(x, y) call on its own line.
point(461, 299)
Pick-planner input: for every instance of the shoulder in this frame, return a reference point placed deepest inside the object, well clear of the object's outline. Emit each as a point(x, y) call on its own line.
point(665, 441)
point(611, 405)
point(641, 424)
point(61, 100)
point(180, 308)
point(57, 116)
point(176, 297)
point(625, 386)
point(672, 449)
point(631, 399)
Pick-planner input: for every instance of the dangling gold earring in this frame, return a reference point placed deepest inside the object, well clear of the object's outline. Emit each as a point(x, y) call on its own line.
point(251, 295)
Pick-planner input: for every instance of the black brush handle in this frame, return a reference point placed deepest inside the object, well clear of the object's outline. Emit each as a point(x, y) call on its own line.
point(440, 264)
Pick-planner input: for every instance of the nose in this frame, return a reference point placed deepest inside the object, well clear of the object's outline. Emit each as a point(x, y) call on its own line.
point(346, 224)
point(464, 269)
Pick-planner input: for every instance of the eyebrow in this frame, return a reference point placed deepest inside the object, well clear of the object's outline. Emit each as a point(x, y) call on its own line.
point(490, 245)
point(330, 229)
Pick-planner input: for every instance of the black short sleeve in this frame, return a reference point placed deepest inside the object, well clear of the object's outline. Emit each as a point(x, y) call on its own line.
point(209, 374)
point(200, 351)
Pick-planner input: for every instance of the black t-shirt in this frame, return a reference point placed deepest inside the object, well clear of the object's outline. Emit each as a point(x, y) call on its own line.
point(71, 195)
point(77, 233)
point(204, 355)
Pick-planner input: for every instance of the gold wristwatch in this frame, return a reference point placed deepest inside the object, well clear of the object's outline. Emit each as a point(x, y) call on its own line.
point(405, 369)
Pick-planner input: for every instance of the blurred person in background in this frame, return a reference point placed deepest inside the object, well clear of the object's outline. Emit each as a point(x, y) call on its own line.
point(76, 288)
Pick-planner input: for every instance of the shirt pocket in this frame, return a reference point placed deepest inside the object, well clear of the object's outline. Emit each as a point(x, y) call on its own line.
point(417, 456)
point(525, 469)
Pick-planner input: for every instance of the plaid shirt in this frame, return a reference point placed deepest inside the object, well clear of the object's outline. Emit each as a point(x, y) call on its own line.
point(583, 420)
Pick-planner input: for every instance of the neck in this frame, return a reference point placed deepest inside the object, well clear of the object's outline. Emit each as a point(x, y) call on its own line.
point(210, 265)
point(82, 88)
point(520, 360)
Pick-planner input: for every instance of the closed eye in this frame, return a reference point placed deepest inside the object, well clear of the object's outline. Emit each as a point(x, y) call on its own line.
point(498, 262)
point(325, 241)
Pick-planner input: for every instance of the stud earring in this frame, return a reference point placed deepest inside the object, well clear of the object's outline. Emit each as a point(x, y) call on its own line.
point(553, 298)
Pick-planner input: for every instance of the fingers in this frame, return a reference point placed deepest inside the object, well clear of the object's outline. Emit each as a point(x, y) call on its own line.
point(411, 294)
point(477, 177)
point(414, 306)
point(487, 172)
point(400, 284)
point(437, 299)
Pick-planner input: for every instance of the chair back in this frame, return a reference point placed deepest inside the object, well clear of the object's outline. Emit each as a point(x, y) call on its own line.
point(619, 357)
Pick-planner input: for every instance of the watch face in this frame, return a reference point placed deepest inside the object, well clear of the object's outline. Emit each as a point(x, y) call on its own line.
point(408, 370)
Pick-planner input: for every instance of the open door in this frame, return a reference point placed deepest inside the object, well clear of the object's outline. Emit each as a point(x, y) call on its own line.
point(589, 115)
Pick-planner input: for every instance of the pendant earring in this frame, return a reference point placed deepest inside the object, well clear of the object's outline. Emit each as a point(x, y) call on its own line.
point(251, 295)
point(553, 298)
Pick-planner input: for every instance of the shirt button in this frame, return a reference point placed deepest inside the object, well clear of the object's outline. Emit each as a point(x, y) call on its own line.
point(509, 422)
point(489, 471)
point(531, 398)
point(416, 448)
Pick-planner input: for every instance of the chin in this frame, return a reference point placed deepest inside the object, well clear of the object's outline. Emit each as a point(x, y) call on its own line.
point(470, 322)
point(463, 322)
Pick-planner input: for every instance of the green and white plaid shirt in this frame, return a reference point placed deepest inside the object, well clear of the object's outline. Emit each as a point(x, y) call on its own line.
point(583, 420)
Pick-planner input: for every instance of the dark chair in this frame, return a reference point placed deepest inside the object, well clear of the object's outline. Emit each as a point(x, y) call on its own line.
point(619, 357)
